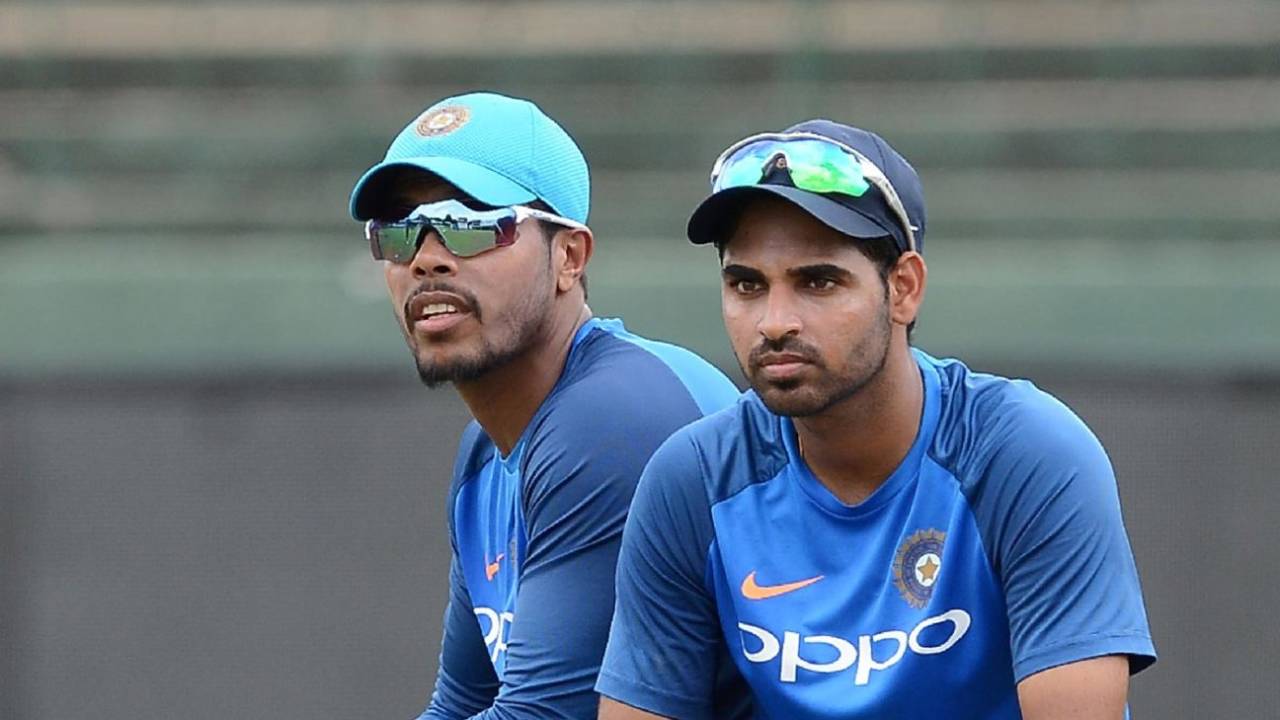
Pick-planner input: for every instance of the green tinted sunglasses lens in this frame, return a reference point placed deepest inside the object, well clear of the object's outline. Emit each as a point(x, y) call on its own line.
point(398, 243)
point(813, 165)
point(746, 167)
point(465, 243)
point(821, 167)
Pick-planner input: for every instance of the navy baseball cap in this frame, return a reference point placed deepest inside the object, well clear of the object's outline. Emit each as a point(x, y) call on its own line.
point(867, 216)
point(497, 149)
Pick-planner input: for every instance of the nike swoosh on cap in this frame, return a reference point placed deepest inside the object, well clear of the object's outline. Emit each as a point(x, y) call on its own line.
point(753, 591)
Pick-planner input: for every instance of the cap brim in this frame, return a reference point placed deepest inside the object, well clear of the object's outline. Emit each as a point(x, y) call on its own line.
point(475, 180)
point(715, 216)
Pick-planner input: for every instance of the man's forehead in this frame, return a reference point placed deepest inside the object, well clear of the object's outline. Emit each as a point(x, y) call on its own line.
point(769, 218)
point(789, 248)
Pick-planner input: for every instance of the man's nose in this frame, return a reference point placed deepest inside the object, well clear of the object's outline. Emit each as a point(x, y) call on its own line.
point(433, 258)
point(780, 317)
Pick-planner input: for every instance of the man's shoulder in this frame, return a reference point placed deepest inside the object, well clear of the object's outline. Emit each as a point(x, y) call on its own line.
point(745, 425)
point(612, 363)
point(989, 425)
point(617, 382)
point(727, 450)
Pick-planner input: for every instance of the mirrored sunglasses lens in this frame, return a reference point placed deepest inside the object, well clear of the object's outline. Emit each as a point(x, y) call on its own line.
point(506, 232)
point(465, 243)
point(813, 165)
point(820, 167)
point(746, 166)
point(397, 243)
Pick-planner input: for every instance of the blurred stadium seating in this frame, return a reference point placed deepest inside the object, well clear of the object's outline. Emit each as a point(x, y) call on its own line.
point(1101, 176)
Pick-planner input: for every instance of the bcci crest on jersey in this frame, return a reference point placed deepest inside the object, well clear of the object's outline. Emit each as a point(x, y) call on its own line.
point(917, 565)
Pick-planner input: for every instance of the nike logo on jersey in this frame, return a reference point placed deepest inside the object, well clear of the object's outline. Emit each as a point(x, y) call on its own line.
point(753, 591)
point(491, 568)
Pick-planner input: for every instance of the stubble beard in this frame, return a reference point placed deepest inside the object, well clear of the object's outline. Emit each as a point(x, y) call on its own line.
point(800, 398)
point(522, 326)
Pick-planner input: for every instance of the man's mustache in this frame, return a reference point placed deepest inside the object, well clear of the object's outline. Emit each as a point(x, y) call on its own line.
point(469, 299)
point(789, 345)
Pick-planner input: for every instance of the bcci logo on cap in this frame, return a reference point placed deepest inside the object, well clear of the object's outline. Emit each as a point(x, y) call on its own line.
point(443, 120)
point(917, 565)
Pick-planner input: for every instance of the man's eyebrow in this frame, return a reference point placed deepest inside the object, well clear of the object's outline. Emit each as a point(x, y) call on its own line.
point(741, 272)
point(820, 270)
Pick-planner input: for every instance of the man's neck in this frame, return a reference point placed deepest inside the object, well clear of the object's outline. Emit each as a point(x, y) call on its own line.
point(505, 399)
point(854, 446)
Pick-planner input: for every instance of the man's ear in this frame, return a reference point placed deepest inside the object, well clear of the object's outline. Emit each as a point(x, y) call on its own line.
point(907, 281)
point(573, 249)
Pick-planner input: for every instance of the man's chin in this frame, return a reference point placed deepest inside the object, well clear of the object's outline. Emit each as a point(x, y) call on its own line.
point(436, 372)
point(432, 379)
point(791, 399)
point(438, 368)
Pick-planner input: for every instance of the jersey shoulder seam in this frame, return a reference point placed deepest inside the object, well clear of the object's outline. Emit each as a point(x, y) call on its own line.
point(638, 344)
point(773, 470)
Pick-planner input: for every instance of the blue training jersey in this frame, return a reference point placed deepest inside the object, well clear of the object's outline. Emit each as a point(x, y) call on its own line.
point(994, 551)
point(535, 534)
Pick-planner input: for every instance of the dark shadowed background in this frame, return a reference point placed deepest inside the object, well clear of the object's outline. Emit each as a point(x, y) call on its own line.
point(221, 485)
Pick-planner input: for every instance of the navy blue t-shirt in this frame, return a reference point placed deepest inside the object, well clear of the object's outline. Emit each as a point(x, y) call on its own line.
point(994, 551)
point(535, 535)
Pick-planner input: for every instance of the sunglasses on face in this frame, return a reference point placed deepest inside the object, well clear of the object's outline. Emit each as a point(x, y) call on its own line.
point(815, 163)
point(464, 231)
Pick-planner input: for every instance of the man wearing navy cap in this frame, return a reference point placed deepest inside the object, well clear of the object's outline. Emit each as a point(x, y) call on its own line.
point(478, 213)
point(871, 532)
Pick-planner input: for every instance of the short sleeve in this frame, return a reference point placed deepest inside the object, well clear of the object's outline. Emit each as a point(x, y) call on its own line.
point(662, 653)
point(1055, 532)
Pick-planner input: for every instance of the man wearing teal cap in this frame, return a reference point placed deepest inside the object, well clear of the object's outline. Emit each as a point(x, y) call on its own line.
point(478, 213)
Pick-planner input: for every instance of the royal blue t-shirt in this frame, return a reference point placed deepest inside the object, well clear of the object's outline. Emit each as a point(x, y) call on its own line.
point(535, 535)
point(994, 551)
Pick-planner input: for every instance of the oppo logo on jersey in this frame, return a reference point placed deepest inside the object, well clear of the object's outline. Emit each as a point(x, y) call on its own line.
point(496, 626)
point(847, 654)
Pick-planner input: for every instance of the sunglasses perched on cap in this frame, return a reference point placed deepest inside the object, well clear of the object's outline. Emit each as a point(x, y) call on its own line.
point(815, 163)
point(464, 231)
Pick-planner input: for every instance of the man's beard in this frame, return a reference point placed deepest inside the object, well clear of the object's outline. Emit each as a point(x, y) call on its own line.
point(519, 329)
point(490, 356)
point(802, 398)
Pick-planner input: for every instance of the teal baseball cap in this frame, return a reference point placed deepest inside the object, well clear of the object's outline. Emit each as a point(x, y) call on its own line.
point(499, 150)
